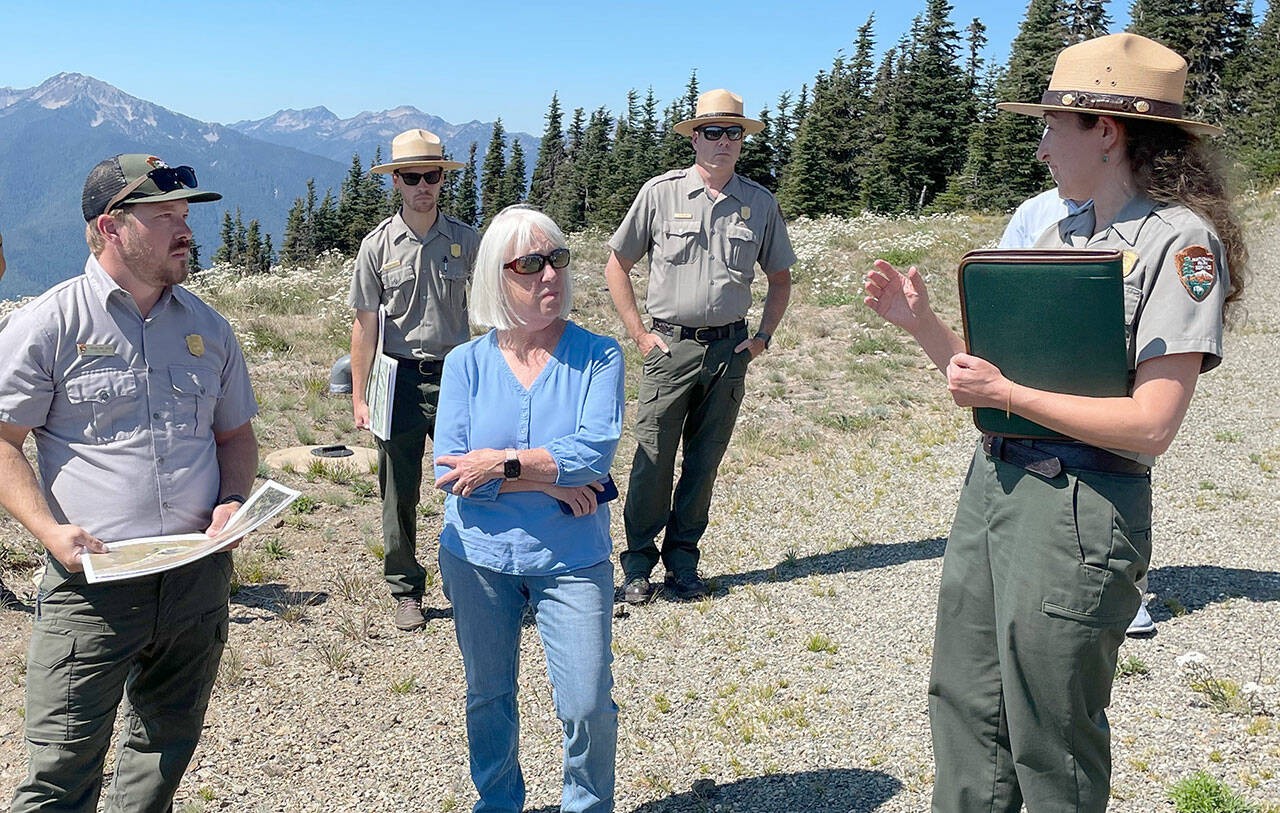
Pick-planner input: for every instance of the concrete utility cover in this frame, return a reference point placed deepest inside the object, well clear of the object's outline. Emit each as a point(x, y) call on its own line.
point(301, 458)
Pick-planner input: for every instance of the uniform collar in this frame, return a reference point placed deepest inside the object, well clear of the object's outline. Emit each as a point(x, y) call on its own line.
point(103, 286)
point(401, 230)
point(1127, 225)
point(693, 184)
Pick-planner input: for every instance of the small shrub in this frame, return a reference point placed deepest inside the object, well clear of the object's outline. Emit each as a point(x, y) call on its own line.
point(821, 643)
point(304, 505)
point(274, 548)
point(404, 685)
point(1203, 793)
point(1130, 666)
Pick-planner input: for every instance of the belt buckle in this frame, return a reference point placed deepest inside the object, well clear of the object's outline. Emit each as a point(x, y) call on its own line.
point(697, 334)
point(422, 366)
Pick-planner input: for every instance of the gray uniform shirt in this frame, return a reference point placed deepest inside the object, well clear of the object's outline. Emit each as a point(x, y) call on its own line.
point(422, 283)
point(123, 408)
point(703, 252)
point(1175, 279)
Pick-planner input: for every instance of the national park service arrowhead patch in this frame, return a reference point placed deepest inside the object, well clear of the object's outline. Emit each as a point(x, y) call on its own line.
point(1196, 270)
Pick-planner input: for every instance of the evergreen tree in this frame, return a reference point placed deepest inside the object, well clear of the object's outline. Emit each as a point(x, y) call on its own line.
point(328, 228)
point(593, 169)
point(1001, 169)
point(1253, 130)
point(293, 250)
point(307, 247)
point(254, 260)
point(240, 246)
point(759, 155)
point(783, 135)
point(513, 177)
point(939, 105)
point(1208, 34)
point(1086, 19)
point(228, 236)
point(447, 200)
point(466, 207)
point(565, 205)
point(551, 154)
point(674, 150)
point(193, 257)
point(649, 138)
point(492, 174)
point(350, 206)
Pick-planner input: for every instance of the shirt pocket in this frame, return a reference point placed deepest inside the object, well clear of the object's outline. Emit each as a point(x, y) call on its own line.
point(108, 402)
point(195, 394)
point(397, 289)
point(742, 250)
point(679, 240)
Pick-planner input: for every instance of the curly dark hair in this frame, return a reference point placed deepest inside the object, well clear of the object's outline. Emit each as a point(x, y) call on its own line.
point(1172, 165)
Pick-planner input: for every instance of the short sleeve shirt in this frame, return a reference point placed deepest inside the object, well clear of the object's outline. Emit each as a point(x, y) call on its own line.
point(1175, 278)
point(124, 408)
point(422, 284)
point(703, 252)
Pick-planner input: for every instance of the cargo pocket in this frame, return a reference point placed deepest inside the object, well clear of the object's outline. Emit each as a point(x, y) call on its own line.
point(648, 416)
point(1101, 589)
point(195, 395)
point(397, 290)
point(679, 240)
point(109, 403)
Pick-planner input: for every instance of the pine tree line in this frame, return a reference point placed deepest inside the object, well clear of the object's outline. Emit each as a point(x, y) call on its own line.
point(247, 248)
point(915, 132)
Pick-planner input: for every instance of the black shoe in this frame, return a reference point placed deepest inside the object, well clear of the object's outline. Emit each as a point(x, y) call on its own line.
point(8, 600)
point(685, 586)
point(637, 590)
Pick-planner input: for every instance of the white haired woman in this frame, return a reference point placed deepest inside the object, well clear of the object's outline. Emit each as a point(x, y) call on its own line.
point(529, 418)
point(1040, 576)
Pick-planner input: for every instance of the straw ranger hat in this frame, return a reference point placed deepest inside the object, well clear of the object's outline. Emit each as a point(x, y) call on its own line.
point(718, 107)
point(1122, 75)
point(416, 148)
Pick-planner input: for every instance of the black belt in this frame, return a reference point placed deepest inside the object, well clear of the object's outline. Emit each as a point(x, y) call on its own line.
point(1049, 457)
point(702, 335)
point(424, 366)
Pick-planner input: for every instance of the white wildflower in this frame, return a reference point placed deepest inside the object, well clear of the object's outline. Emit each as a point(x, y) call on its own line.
point(1192, 658)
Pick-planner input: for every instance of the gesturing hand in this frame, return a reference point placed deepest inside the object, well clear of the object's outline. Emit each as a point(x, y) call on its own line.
point(67, 542)
point(900, 299)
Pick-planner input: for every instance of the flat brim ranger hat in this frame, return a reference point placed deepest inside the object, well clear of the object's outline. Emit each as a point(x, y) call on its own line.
point(1121, 75)
point(416, 148)
point(718, 107)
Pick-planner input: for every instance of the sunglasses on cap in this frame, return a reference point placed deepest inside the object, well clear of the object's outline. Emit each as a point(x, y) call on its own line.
point(166, 179)
point(534, 263)
point(712, 132)
point(432, 176)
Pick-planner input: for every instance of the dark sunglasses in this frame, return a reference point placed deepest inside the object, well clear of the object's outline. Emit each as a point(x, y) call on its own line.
point(534, 263)
point(166, 179)
point(431, 176)
point(712, 132)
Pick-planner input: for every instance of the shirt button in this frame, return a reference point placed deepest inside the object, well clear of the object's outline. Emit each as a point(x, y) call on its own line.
point(164, 505)
point(159, 461)
point(104, 396)
point(155, 415)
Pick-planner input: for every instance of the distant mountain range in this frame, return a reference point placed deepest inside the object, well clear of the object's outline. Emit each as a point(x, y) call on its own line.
point(52, 135)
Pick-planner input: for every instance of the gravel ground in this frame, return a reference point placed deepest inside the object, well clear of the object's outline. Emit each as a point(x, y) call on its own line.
point(800, 685)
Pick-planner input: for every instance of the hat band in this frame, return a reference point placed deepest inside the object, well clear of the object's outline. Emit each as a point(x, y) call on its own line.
point(1112, 102)
point(416, 158)
point(719, 116)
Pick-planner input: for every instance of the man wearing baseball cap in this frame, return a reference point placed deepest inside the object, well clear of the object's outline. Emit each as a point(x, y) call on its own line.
point(140, 404)
point(705, 230)
point(415, 264)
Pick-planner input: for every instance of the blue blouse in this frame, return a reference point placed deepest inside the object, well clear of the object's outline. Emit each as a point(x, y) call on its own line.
point(573, 410)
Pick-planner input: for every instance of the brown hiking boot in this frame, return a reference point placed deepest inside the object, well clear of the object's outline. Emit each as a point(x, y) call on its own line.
point(409, 614)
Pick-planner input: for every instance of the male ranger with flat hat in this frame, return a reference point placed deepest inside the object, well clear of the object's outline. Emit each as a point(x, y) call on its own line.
point(416, 264)
point(705, 229)
point(137, 394)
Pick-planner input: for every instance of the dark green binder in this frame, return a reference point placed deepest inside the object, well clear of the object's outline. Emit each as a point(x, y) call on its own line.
point(1049, 319)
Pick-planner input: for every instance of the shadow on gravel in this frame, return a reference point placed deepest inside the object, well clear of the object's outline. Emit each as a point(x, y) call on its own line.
point(839, 790)
point(1187, 588)
point(276, 597)
point(848, 560)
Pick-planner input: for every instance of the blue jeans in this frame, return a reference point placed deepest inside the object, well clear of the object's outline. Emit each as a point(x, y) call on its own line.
point(574, 613)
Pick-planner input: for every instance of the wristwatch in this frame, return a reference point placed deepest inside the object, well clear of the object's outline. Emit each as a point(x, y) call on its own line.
point(230, 498)
point(764, 337)
point(511, 468)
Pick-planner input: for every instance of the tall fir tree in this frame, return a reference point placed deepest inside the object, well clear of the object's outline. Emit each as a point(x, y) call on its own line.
point(759, 155)
point(292, 248)
point(551, 154)
point(447, 201)
point(593, 163)
point(227, 235)
point(351, 206)
point(513, 177)
point(565, 204)
point(467, 208)
point(1001, 169)
point(193, 257)
point(674, 150)
point(492, 173)
point(1208, 34)
point(328, 228)
point(1086, 19)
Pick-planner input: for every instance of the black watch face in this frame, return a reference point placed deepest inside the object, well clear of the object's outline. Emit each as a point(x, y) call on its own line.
point(511, 469)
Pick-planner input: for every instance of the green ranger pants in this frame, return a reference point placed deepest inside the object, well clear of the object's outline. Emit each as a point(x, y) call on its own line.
point(1038, 586)
point(413, 419)
point(155, 641)
point(691, 395)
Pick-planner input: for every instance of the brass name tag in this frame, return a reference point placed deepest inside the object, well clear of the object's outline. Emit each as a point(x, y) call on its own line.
point(96, 349)
point(683, 215)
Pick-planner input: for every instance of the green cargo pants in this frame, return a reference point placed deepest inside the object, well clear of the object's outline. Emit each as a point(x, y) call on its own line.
point(156, 640)
point(1038, 586)
point(691, 395)
point(413, 419)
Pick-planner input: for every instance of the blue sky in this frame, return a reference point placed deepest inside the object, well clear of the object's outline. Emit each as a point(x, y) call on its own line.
point(473, 60)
